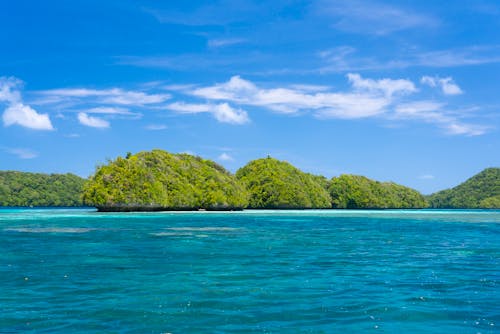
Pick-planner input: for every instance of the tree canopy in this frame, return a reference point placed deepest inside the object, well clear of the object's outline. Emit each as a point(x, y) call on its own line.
point(37, 189)
point(274, 184)
point(480, 191)
point(359, 192)
point(159, 180)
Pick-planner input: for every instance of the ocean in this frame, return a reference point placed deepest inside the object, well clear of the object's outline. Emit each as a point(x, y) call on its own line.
point(332, 271)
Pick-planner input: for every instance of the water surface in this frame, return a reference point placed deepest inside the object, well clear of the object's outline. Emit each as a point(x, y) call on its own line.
point(79, 271)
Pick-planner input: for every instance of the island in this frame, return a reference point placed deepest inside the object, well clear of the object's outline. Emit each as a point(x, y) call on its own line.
point(160, 181)
point(482, 191)
point(27, 189)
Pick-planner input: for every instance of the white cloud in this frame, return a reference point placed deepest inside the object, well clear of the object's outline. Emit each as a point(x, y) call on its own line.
point(371, 17)
point(225, 157)
point(352, 106)
point(105, 96)
point(156, 127)
point(426, 177)
point(189, 108)
point(435, 112)
point(221, 42)
point(387, 98)
point(22, 153)
point(226, 114)
point(109, 111)
point(223, 112)
point(370, 97)
point(91, 121)
point(17, 112)
point(447, 85)
point(309, 88)
point(346, 58)
point(387, 86)
point(20, 114)
point(9, 89)
point(178, 87)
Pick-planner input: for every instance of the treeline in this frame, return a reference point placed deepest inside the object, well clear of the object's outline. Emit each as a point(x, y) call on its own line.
point(480, 191)
point(36, 189)
point(159, 180)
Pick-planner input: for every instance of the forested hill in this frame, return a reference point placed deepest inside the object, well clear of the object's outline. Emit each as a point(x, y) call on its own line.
point(480, 191)
point(275, 184)
point(159, 180)
point(359, 192)
point(36, 189)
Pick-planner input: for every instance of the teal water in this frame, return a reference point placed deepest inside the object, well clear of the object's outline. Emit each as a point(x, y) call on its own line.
point(79, 271)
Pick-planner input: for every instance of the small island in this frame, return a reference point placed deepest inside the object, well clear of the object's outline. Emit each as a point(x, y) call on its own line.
point(158, 181)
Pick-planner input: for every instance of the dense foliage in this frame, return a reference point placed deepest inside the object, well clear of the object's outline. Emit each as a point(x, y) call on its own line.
point(159, 180)
point(359, 192)
point(34, 189)
point(480, 191)
point(274, 184)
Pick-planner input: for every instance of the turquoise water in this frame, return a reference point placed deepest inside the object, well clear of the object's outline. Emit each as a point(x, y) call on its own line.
point(79, 271)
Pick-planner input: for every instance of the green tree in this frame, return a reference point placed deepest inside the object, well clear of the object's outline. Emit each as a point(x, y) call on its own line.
point(359, 192)
point(480, 191)
point(37, 189)
point(159, 180)
point(274, 184)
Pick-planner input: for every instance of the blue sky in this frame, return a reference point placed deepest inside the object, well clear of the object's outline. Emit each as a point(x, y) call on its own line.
point(395, 90)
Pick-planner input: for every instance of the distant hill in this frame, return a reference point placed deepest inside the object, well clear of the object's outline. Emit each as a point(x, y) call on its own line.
point(36, 189)
point(159, 180)
point(480, 191)
point(275, 184)
point(359, 192)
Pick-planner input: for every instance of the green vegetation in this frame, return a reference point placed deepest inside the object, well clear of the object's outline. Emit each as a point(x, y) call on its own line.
point(480, 191)
point(274, 184)
point(34, 189)
point(159, 180)
point(359, 192)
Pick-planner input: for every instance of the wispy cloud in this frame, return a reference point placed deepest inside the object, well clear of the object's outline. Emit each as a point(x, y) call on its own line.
point(436, 113)
point(222, 42)
point(212, 61)
point(22, 153)
point(116, 96)
point(109, 111)
point(372, 17)
point(214, 13)
point(156, 127)
point(222, 112)
point(17, 112)
point(91, 121)
point(369, 97)
point(346, 58)
point(447, 85)
point(391, 99)
point(225, 157)
point(426, 177)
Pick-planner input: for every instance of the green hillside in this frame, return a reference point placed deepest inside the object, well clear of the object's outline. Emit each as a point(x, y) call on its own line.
point(159, 180)
point(480, 191)
point(36, 189)
point(359, 192)
point(274, 184)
